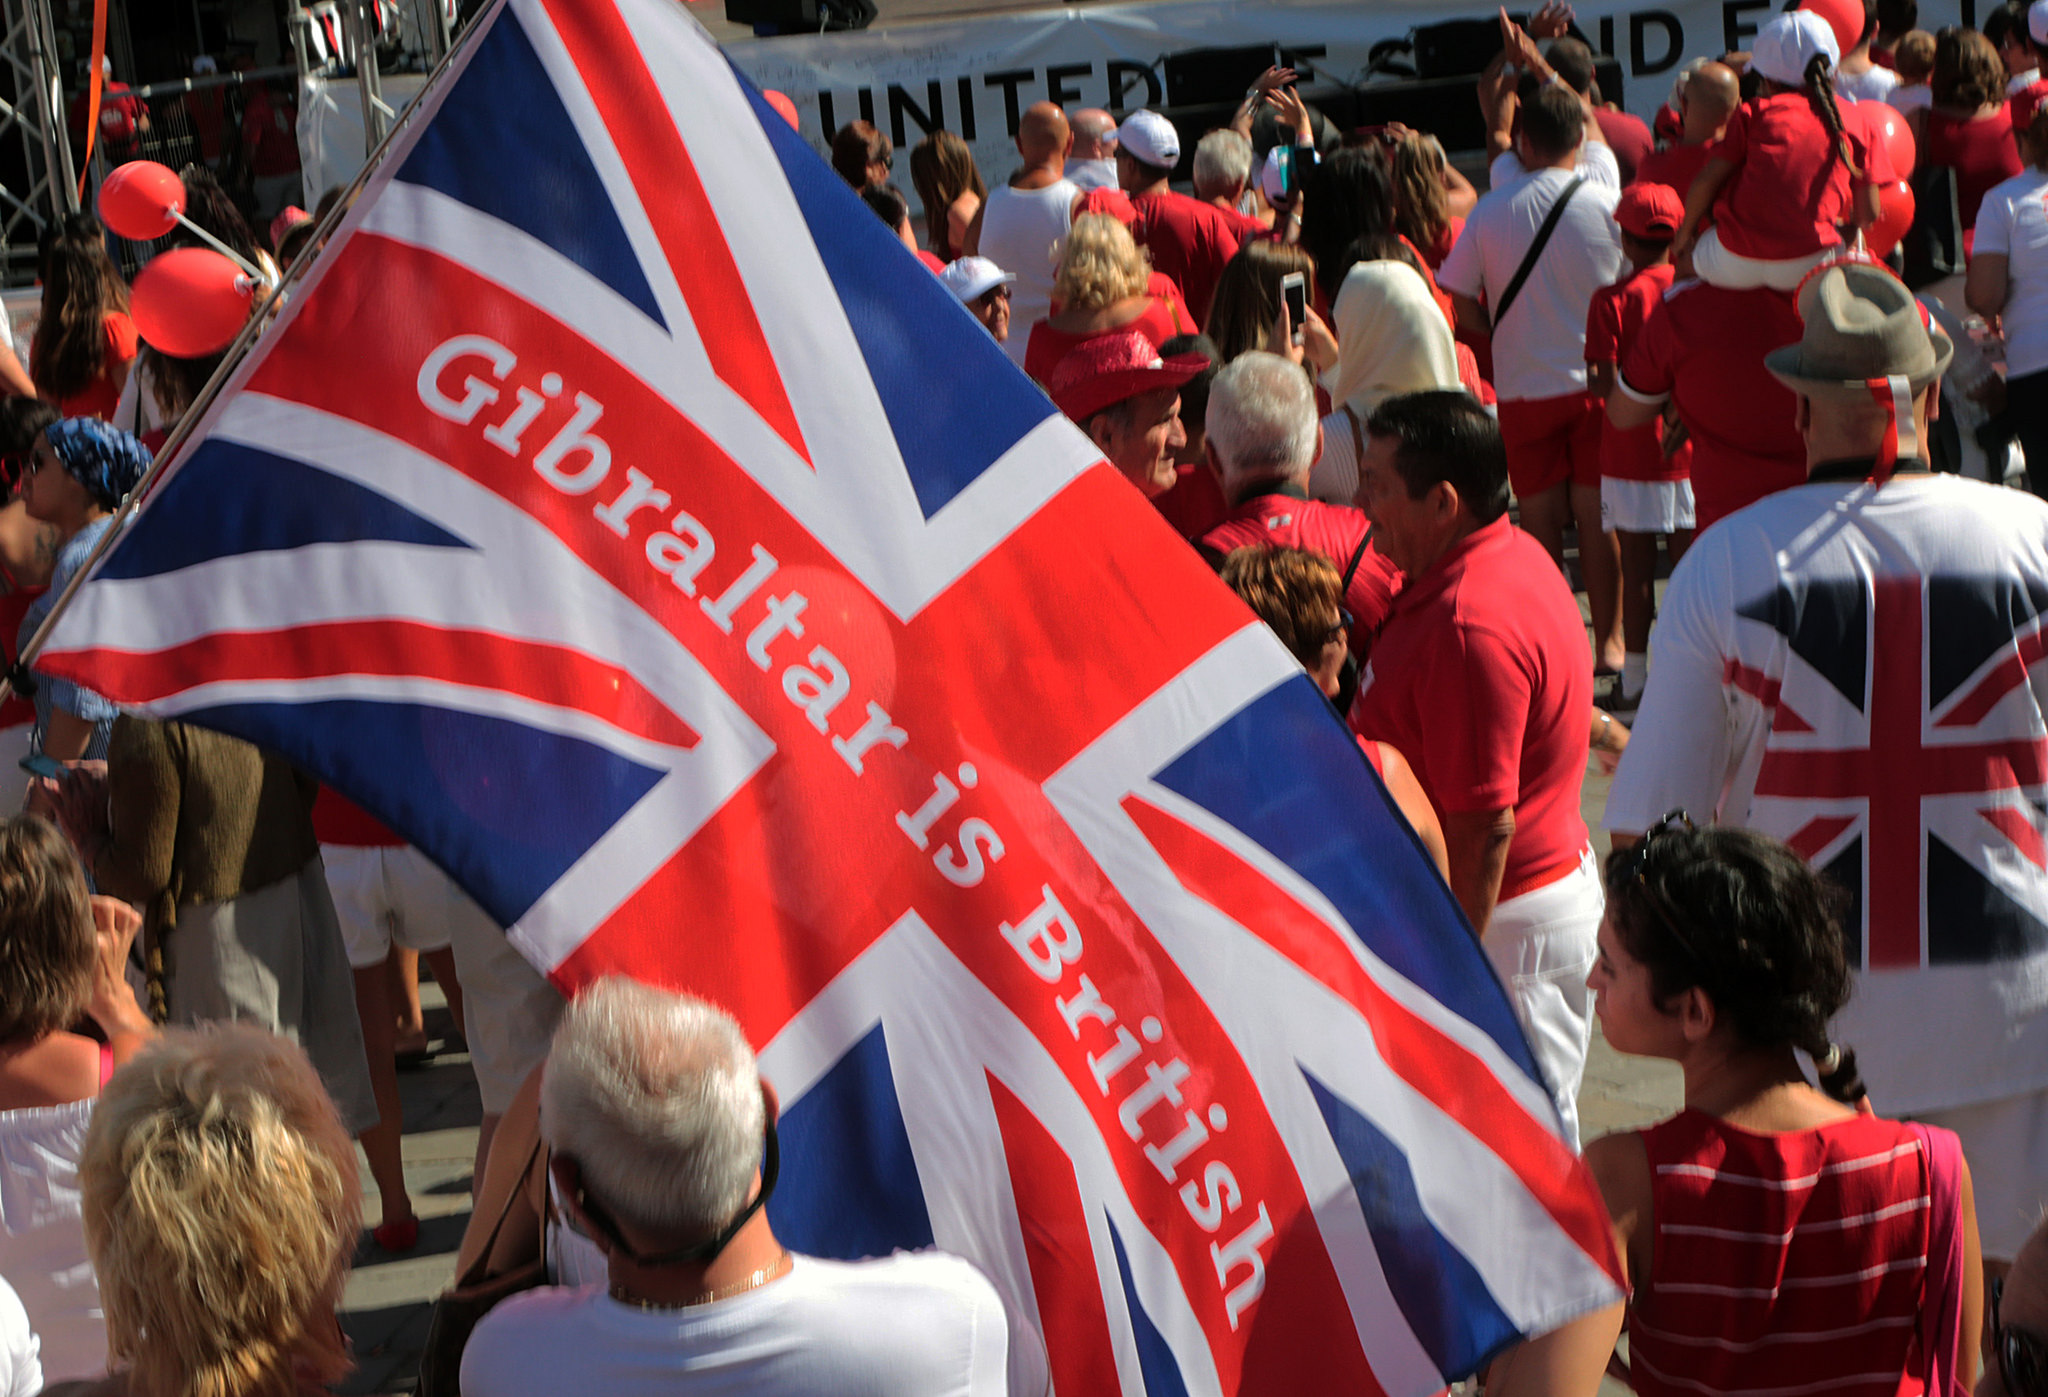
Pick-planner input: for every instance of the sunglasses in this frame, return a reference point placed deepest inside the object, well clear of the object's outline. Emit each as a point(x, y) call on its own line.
point(2022, 1354)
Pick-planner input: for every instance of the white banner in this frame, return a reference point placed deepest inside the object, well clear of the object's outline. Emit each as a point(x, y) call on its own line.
point(974, 76)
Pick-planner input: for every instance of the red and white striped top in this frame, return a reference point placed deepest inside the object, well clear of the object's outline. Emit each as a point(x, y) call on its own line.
point(1782, 1265)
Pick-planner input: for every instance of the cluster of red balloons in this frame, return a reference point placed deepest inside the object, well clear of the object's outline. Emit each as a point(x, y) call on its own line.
point(188, 302)
point(1877, 123)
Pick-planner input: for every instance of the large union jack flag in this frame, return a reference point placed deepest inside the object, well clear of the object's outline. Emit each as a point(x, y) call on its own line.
point(623, 515)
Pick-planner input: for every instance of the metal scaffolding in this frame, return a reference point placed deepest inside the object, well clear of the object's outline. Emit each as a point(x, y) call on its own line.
point(38, 183)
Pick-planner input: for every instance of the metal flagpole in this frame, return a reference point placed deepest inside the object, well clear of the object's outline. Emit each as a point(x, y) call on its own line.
point(124, 513)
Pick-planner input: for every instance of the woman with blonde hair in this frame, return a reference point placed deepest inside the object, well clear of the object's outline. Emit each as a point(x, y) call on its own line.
point(62, 952)
point(950, 186)
point(1100, 288)
point(221, 1208)
point(1431, 198)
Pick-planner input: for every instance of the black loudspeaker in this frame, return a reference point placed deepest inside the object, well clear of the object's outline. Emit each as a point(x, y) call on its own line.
point(1199, 77)
point(802, 16)
point(1458, 48)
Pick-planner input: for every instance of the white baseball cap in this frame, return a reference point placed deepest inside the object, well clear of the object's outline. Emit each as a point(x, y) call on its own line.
point(1150, 137)
point(2037, 22)
point(1788, 43)
point(971, 278)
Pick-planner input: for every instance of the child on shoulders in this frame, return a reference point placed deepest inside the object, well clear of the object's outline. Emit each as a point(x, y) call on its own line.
point(1786, 174)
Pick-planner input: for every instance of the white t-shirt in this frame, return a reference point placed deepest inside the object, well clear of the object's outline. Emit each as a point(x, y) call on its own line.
point(1539, 348)
point(1839, 645)
point(910, 1325)
point(1872, 86)
point(2013, 219)
point(21, 1367)
point(1021, 232)
point(1086, 175)
point(1596, 163)
point(1916, 98)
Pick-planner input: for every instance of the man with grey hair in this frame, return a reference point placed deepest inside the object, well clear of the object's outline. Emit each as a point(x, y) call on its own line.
point(1223, 166)
point(664, 1154)
point(1263, 439)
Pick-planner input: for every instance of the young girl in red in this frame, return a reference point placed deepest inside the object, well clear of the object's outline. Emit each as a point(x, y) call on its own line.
point(1786, 174)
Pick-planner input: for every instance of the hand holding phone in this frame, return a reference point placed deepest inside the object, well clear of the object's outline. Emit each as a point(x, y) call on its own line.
point(1294, 296)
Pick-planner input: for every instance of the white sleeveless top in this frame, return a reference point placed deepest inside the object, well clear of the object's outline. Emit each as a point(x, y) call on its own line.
point(42, 1237)
point(1021, 232)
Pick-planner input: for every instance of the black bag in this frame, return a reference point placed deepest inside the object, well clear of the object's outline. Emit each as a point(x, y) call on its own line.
point(1933, 246)
point(1458, 48)
point(475, 1293)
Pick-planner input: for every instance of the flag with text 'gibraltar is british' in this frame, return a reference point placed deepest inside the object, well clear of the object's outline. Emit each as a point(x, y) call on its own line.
point(622, 514)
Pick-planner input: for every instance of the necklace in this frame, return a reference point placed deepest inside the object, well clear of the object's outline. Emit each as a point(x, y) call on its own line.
point(759, 1278)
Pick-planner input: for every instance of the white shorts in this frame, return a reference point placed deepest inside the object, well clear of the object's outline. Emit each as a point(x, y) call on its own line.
point(1542, 945)
point(508, 1008)
point(391, 895)
point(2006, 1143)
point(1717, 266)
point(1645, 506)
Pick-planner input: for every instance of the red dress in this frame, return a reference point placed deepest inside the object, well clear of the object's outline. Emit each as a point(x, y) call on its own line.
point(1793, 1262)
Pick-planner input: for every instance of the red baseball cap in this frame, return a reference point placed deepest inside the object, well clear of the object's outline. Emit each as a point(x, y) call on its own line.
point(1102, 372)
point(1650, 211)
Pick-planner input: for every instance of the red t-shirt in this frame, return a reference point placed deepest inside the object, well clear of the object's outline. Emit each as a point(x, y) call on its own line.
point(1704, 346)
point(100, 397)
point(1612, 322)
point(1189, 240)
point(1048, 346)
point(2020, 110)
point(339, 820)
point(14, 605)
point(1288, 517)
point(1628, 137)
point(1676, 166)
point(1790, 190)
point(1435, 253)
point(1195, 503)
point(1981, 153)
point(1483, 678)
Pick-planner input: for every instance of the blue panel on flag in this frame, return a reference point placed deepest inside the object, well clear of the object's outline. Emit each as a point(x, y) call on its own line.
point(229, 499)
point(955, 402)
point(1287, 774)
point(1441, 1294)
point(458, 785)
point(1156, 1363)
point(849, 1181)
point(503, 144)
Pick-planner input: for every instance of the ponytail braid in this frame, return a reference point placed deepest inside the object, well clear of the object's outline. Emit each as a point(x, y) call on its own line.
point(1820, 89)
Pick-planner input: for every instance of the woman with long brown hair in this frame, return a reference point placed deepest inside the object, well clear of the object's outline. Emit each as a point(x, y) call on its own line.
point(84, 341)
point(1969, 126)
point(950, 186)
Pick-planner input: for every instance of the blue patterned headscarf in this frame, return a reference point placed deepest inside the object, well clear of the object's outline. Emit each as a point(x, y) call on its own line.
point(105, 460)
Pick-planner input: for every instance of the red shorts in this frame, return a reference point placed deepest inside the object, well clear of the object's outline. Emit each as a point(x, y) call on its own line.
point(1551, 441)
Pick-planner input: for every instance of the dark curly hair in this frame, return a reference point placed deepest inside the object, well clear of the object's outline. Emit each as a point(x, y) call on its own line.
point(1745, 919)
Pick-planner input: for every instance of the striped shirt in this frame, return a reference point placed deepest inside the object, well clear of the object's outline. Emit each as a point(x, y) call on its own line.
point(1783, 1265)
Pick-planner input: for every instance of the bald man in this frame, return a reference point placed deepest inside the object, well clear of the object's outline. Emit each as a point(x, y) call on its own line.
point(1092, 165)
point(1710, 96)
point(1021, 222)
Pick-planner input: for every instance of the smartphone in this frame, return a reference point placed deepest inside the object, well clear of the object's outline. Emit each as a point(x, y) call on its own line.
point(1283, 161)
point(1294, 294)
point(37, 764)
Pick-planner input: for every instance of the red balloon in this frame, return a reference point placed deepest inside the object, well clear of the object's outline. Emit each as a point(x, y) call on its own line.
point(190, 302)
point(141, 200)
point(1845, 17)
point(1880, 123)
point(780, 101)
point(1894, 216)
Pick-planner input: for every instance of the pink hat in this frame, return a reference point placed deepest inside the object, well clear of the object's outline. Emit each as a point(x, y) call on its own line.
point(1102, 372)
point(1650, 211)
point(291, 218)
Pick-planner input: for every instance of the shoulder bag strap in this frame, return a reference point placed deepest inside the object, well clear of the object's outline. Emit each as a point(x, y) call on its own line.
point(1507, 297)
point(1357, 557)
point(482, 1266)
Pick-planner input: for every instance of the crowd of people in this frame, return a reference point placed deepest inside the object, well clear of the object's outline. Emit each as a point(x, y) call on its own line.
point(1406, 419)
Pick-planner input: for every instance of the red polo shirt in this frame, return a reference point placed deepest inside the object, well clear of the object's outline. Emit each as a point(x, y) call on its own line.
point(1612, 324)
point(1790, 190)
point(1189, 240)
point(1483, 679)
point(1287, 516)
point(1704, 346)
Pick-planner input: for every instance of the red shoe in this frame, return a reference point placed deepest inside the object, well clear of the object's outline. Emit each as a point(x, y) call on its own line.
point(400, 1236)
